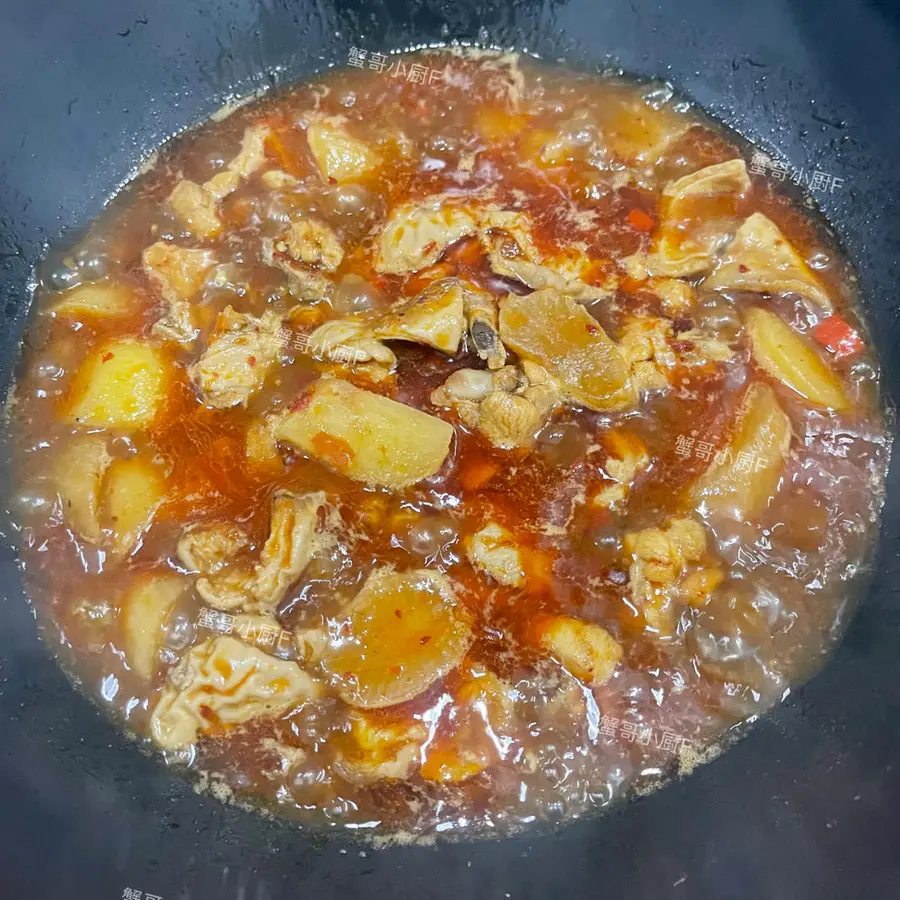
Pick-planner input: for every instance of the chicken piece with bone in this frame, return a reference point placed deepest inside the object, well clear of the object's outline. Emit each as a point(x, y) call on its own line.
point(627, 457)
point(197, 205)
point(294, 538)
point(653, 350)
point(507, 405)
point(665, 572)
point(506, 236)
point(180, 273)
point(435, 318)
point(239, 355)
point(309, 253)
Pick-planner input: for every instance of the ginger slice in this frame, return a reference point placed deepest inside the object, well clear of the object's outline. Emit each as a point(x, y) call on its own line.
point(404, 631)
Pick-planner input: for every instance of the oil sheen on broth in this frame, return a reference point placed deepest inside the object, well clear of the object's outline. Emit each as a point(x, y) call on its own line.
point(446, 457)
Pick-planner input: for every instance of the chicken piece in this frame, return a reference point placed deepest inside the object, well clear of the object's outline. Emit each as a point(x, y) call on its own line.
point(197, 205)
point(378, 748)
point(339, 156)
point(434, 318)
point(207, 548)
point(483, 323)
point(289, 548)
point(653, 350)
point(722, 178)
point(660, 571)
point(492, 549)
point(628, 456)
point(683, 249)
point(761, 259)
point(677, 296)
point(196, 208)
point(587, 651)
point(505, 405)
point(309, 253)
point(554, 332)
point(365, 436)
point(180, 273)
point(251, 157)
point(506, 238)
point(292, 542)
point(644, 343)
point(417, 234)
point(403, 632)
point(221, 684)
point(241, 352)
point(351, 341)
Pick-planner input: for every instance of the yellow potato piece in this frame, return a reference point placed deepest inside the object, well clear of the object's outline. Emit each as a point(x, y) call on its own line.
point(96, 299)
point(404, 631)
point(145, 609)
point(134, 489)
point(557, 333)
point(745, 476)
point(339, 156)
point(120, 385)
point(78, 475)
point(784, 355)
point(366, 436)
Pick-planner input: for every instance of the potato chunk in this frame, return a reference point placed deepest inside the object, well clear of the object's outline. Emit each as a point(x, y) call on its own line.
point(78, 475)
point(365, 436)
point(781, 353)
point(557, 333)
point(122, 384)
point(403, 631)
point(223, 683)
point(145, 610)
point(588, 651)
point(96, 299)
point(339, 156)
point(744, 477)
point(133, 492)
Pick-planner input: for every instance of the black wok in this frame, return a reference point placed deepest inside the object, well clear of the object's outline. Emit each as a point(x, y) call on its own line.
point(803, 807)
